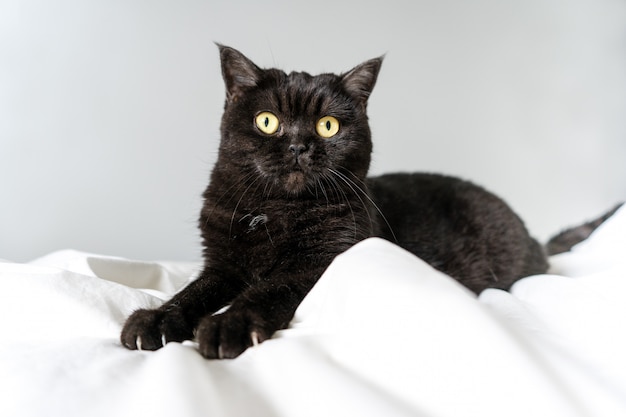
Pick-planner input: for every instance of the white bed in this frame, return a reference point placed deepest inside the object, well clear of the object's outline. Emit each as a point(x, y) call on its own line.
point(381, 334)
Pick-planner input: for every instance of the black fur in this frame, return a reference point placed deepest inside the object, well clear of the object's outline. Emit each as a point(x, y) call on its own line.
point(279, 207)
point(458, 228)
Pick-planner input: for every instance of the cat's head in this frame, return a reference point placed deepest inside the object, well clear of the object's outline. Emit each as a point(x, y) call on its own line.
point(295, 130)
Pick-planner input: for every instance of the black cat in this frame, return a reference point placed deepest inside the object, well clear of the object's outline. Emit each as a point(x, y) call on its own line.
point(289, 193)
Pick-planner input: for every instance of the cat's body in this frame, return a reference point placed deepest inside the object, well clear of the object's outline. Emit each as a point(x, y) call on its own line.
point(289, 192)
point(458, 228)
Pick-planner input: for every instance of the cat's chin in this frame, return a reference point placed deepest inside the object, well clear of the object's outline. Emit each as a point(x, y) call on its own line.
point(295, 182)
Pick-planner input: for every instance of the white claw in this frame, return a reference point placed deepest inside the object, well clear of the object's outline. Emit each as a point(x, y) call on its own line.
point(220, 352)
point(255, 338)
point(163, 340)
point(138, 342)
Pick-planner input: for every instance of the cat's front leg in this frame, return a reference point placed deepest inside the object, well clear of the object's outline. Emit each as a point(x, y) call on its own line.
point(254, 316)
point(176, 320)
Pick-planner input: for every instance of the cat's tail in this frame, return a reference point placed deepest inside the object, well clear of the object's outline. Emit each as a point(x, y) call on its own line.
point(565, 240)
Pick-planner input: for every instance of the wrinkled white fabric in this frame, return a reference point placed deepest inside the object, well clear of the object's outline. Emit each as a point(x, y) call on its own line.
point(381, 334)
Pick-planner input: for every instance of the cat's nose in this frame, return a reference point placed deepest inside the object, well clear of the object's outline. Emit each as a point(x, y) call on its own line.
point(297, 149)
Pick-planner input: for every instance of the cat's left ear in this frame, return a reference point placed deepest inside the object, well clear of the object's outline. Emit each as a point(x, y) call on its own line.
point(360, 80)
point(239, 72)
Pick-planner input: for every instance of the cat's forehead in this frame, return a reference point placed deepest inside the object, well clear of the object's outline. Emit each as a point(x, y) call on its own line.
point(303, 81)
point(303, 92)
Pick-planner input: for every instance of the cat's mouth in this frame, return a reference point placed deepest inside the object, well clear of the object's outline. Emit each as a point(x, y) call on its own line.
point(297, 177)
point(294, 177)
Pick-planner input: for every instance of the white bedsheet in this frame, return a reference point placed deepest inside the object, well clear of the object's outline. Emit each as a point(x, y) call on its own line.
point(381, 334)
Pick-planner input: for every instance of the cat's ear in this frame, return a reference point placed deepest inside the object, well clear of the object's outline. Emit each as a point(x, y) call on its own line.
point(239, 72)
point(360, 80)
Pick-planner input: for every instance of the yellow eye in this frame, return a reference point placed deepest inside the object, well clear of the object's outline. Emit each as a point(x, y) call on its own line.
point(327, 127)
point(267, 122)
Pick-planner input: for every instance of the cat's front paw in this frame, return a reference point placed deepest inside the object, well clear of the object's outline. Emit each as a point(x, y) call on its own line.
point(152, 329)
point(228, 335)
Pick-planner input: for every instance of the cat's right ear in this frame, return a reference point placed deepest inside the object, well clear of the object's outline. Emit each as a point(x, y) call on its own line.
point(239, 72)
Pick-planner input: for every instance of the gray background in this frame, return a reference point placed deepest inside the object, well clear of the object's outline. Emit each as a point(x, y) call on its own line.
point(109, 109)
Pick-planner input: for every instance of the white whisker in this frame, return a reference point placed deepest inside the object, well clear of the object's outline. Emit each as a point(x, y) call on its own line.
point(228, 192)
point(232, 218)
point(382, 215)
point(323, 192)
point(347, 200)
point(352, 187)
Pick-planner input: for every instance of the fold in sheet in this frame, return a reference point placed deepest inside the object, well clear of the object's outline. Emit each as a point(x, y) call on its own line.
point(381, 334)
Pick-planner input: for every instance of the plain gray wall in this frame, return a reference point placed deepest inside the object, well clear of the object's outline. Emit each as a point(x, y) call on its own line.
point(110, 109)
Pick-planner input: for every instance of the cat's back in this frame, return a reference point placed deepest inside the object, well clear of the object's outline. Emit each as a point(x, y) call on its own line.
point(456, 226)
point(445, 199)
